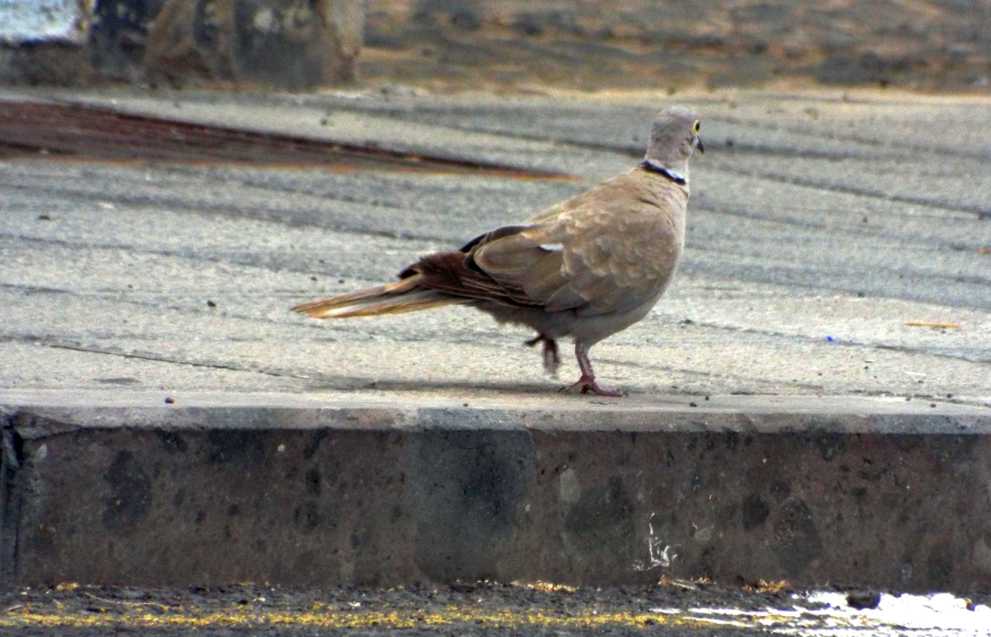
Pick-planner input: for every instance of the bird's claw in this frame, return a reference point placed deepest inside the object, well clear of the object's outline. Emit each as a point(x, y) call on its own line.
point(552, 360)
point(587, 385)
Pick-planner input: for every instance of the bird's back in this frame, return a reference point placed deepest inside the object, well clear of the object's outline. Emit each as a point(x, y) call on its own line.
point(614, 253)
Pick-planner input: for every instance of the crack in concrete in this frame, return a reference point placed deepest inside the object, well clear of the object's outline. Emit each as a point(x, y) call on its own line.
point(411, 115)
point(842, 343)
point(637, 151)
point(259, 213)
point(173, 361)
point(857, 229)
point(337, 382)
point(189, 256)
point(696, 267)
point(327, 327)
point(909, 148)
point(816, 184)
point(701, 374)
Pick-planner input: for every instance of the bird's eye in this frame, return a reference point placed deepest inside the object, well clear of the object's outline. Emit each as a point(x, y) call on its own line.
point(696, 127)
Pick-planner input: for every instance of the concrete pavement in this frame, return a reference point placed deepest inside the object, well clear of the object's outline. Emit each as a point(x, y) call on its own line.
point(813, 242)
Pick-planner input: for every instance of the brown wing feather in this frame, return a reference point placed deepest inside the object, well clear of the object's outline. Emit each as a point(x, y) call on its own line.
point(453, 273)
point(519, 262)
point(613, 254)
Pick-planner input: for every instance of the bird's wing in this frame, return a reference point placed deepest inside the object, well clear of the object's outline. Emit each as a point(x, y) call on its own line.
point(603, 251)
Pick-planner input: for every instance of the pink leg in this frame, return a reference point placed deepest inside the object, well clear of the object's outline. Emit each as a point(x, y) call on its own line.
point(551, 358)
point(587, 382)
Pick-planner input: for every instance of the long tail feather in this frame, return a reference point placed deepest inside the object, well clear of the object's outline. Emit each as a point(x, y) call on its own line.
point(391, 298)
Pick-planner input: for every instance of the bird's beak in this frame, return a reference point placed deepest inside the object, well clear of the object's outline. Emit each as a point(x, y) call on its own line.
point(699, 145)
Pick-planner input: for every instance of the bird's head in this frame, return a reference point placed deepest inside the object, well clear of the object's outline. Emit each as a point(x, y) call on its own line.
point(674, 137)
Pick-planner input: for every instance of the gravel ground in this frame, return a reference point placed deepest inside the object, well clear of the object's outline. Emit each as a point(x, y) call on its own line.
point(470, 609)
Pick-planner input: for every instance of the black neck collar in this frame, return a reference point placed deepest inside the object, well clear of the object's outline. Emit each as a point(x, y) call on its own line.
point(655, 167)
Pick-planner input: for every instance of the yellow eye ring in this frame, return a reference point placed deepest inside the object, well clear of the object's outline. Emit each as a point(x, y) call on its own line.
point(696, 127)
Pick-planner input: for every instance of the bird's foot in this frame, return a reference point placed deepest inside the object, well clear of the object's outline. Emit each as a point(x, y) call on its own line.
point(552, 360)
point(587, 385)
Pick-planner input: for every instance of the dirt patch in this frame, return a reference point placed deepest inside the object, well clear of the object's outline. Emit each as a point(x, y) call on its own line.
point(921, 44)
point(470, 608)
point(75, 132)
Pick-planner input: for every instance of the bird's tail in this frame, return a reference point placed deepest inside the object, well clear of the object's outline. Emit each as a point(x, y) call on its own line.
point(392, 298)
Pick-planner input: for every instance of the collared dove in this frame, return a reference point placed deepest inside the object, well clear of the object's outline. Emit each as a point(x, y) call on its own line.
point(587, 267)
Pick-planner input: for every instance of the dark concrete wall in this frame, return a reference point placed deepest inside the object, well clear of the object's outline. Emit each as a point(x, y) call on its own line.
point(371, 497)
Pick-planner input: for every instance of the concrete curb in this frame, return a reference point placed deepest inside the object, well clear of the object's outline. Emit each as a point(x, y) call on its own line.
point(296, 490)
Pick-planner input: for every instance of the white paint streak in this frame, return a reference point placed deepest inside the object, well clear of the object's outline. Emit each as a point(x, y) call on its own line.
point(44, 20)
point(656, 555)
point(938, 615)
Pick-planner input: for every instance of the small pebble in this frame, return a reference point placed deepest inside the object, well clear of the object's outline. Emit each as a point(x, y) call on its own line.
point(169, 400)
point(862, 600)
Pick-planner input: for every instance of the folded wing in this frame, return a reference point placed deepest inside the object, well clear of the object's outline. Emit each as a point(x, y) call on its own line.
point(593, 254)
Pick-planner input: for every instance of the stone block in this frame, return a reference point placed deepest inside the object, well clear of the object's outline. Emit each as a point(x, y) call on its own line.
point(293, 44)
point(379, 495)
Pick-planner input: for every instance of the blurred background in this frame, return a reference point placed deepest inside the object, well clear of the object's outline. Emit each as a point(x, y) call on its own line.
point(930, 45)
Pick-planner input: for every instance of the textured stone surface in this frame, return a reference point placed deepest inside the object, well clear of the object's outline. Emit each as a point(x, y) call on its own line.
point(295, 45)
point(44, 21)
point(217, 492)
point(291, 45)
